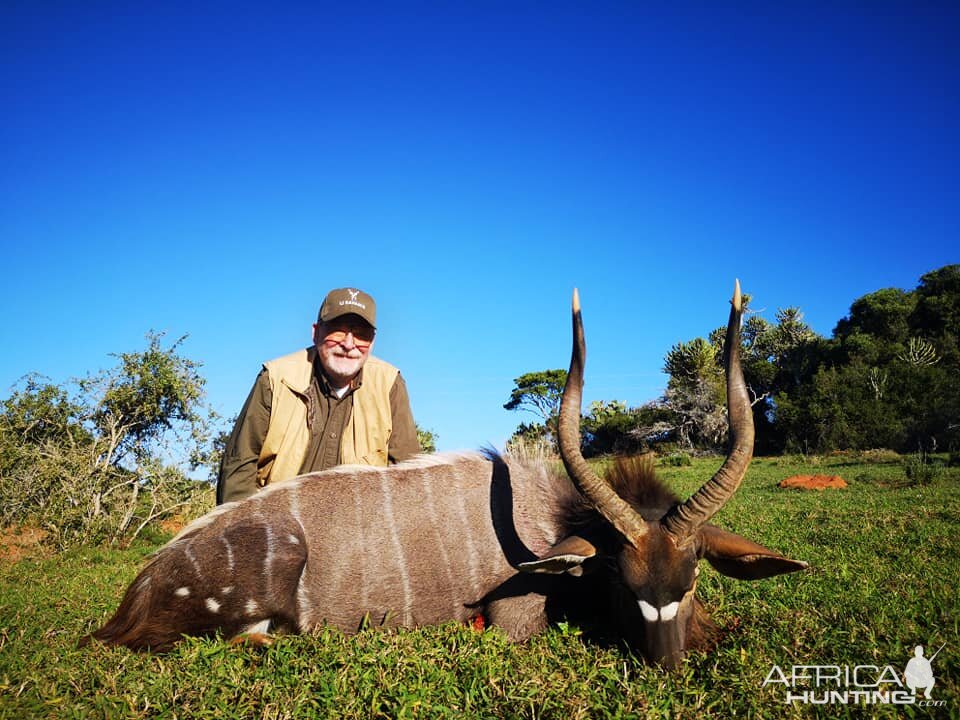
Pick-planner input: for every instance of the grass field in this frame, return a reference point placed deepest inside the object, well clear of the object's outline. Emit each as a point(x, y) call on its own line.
point(885, 563)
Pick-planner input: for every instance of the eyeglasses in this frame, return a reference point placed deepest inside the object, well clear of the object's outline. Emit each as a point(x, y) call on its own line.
point(362, 341)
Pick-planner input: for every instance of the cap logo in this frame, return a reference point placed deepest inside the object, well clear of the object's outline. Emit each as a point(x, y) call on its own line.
point(353, 299)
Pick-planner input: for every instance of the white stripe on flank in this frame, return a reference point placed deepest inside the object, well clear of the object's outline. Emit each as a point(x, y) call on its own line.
point(182, 592)
point(212, 605)
point(268, 560)
point(295, 505)
point(355, 472)
point(303, 602)
point(385, 482)
point(226, 544)
point(193, 560)
point(358, 511)
point(469, 548)
point(251, 607)
point(439, 544)
point(418, 461)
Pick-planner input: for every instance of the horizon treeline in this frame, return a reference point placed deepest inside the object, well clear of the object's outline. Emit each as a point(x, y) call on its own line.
point(887, 377)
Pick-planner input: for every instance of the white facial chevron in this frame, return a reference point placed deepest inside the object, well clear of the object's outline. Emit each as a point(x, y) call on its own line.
point(664, 614)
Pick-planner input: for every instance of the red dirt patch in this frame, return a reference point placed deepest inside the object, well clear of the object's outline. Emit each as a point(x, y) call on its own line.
point(17, 543)
point(813, 482)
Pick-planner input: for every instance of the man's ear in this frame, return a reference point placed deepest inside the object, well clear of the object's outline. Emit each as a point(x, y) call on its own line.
point(567, 556)
point(737, 557)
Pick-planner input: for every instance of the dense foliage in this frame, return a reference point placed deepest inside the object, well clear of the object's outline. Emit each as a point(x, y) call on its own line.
point(888, 377)
point(102, 457)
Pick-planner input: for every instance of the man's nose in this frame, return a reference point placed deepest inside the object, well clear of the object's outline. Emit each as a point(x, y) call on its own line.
point(348, 340)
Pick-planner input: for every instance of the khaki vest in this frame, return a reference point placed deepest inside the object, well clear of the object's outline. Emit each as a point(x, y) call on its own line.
point(365, 438)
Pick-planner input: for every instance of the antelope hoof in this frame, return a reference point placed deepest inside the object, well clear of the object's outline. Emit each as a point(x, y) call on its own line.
point(255, 639)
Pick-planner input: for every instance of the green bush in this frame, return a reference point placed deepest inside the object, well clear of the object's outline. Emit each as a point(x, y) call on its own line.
point(677, 459)
point(921, 469)
point(879, 456)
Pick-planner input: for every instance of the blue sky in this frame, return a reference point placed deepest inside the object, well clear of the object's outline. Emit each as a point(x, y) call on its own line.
point(215, 168)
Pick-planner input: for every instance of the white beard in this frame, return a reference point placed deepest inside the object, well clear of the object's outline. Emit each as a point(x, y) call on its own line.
point(341, 369)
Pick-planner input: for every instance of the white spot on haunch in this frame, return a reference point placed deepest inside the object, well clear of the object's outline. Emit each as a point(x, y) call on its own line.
point(251, 607)
point(212, 605)
point(293, 538)
point(227, 590)
point(669, 612)
point(650, 613)
point(182, 592)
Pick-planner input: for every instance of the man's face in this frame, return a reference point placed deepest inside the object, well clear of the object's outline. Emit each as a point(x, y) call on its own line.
point(343, 345)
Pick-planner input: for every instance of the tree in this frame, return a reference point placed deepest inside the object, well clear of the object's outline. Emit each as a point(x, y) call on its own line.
point(607, 427)
point(539, 393)
point(937, 313)
point(427, 440)
point(105, 456)
point(531, 441)
point(696, 392)
point(878, 326)
point(692, 363)
point(886, 378)
point(150, 398)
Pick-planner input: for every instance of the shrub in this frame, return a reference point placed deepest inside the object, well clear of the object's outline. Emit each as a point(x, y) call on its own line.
point(879, 455)
point(920, 469)
point(677, 459)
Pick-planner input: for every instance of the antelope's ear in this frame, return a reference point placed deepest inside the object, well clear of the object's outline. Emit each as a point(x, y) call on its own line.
point(737, 557)
point(567, 556)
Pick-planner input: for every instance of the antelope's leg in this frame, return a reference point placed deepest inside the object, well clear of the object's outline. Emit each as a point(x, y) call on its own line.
point(520, 616)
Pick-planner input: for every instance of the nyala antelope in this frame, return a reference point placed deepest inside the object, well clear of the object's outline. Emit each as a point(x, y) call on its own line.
point(447, 537)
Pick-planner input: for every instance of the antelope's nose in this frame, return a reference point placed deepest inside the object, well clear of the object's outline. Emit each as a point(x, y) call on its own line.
point(664, 644)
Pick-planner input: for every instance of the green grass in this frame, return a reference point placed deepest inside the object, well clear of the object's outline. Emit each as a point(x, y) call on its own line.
point(885, 563)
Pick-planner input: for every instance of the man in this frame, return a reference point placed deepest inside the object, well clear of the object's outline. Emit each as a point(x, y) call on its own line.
point(329, 404)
